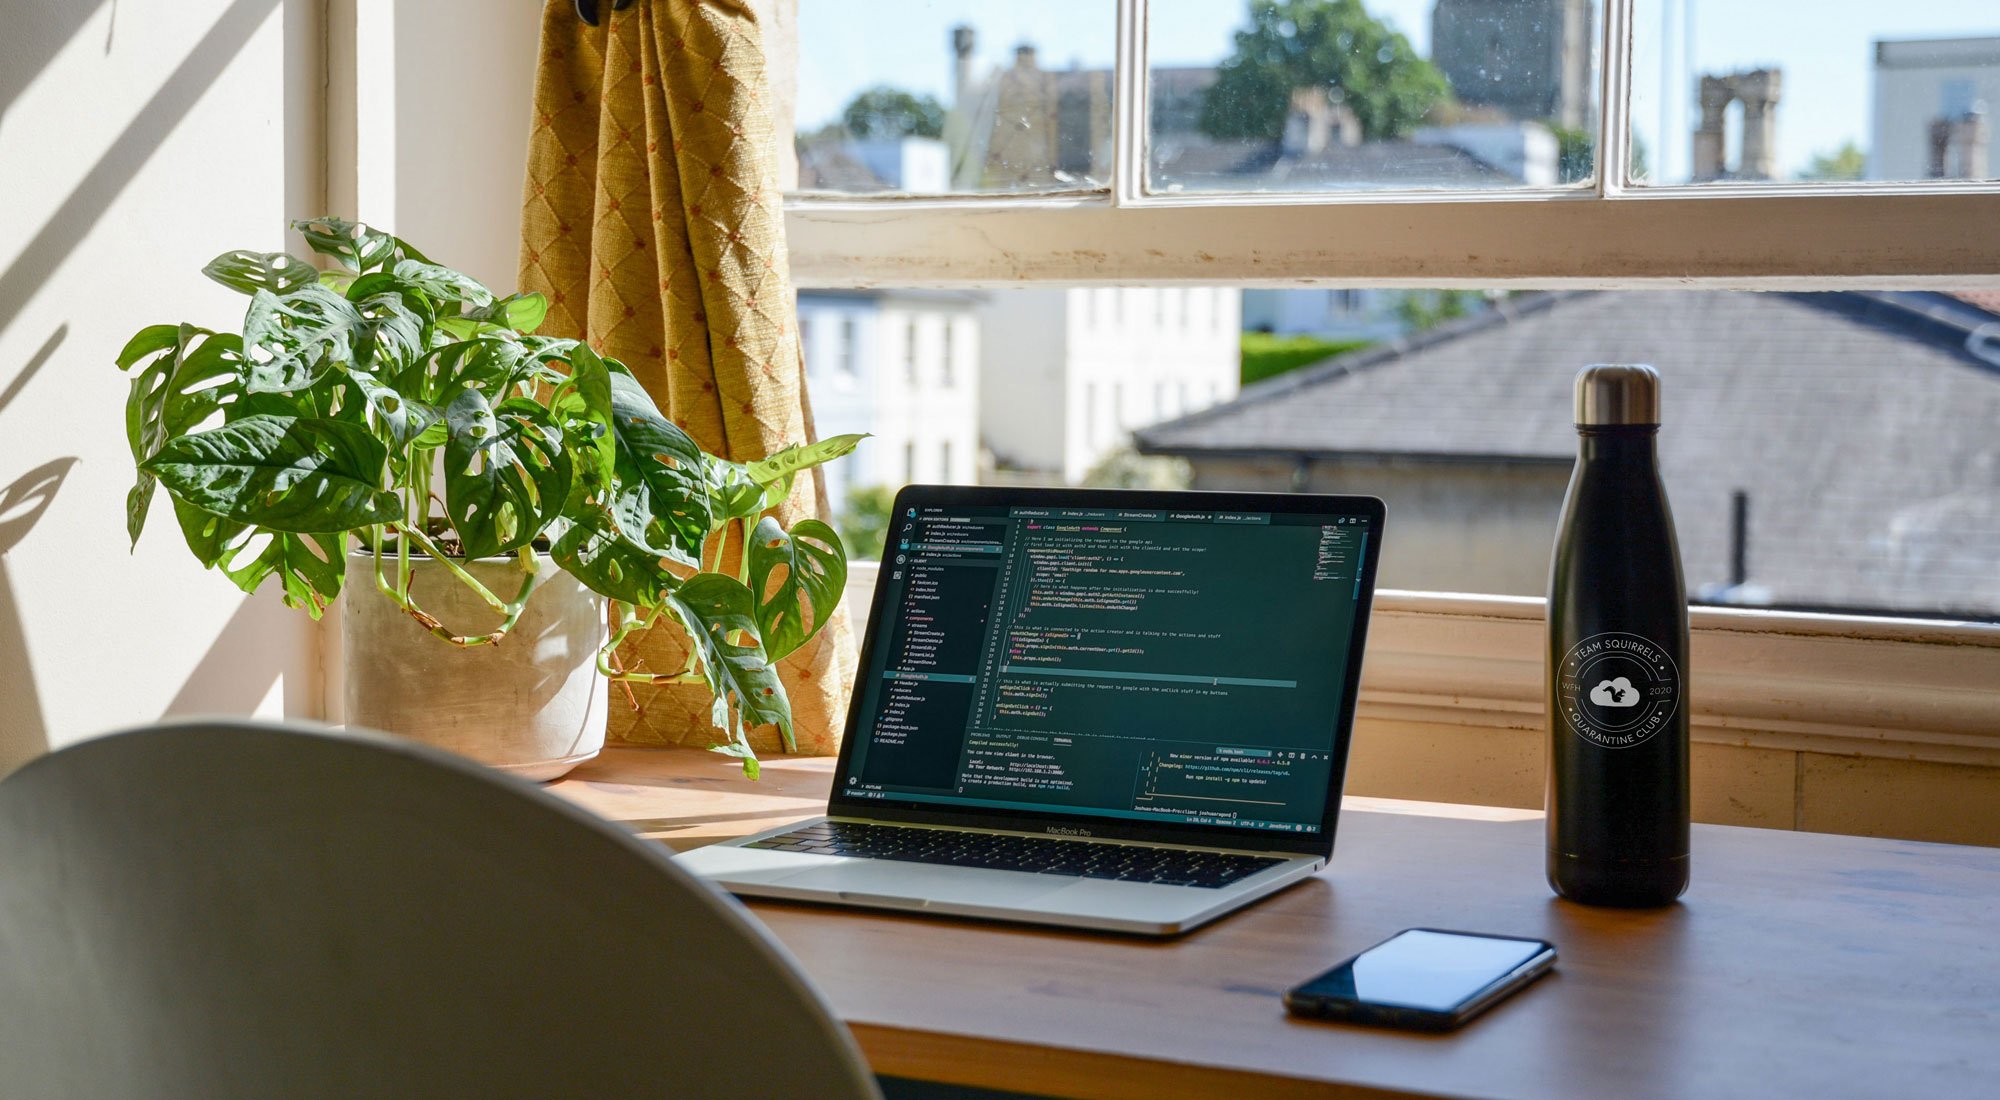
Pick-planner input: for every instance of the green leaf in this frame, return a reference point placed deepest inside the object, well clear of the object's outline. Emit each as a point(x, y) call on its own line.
point(788, 462)
point(250, 272)
point(720, 616)
point(593, 552)
point(522, 313)
point(281, 472)
point(745, 490)
point(310, 566)
point(210, 536)
point(399, 420)
point(172, 395)
point(659, 497)
point(443, 284)
point(293, 341)
point(494, 364)
point(732, 494)
point(358, 247)
point(794, 604)
point(148, 341)
point(751, 768)
point(587, 406)
point(396, 317)
point(505, 475)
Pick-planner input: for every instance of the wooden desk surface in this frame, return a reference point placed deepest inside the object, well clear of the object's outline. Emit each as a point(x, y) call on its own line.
point(1798, 964)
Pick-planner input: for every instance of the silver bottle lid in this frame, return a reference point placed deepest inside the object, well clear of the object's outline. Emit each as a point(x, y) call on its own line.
point(1617, 393)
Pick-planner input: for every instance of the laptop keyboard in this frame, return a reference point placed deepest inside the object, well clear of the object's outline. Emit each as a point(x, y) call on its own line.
point(1041, 855)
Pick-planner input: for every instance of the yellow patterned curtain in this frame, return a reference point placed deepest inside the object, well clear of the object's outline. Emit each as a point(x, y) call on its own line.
point(652, 221)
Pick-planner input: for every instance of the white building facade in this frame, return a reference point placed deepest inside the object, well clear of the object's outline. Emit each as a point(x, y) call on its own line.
point(1069, 374)
point(904, 367)
point(1920, 84)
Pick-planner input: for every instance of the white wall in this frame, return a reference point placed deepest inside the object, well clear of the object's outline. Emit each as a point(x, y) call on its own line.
point(1909, 95)
point(1024, 406)
point(1140, 355)
point(923, 423)
point(137, 140)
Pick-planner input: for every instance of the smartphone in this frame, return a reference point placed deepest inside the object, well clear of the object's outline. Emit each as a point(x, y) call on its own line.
point(1428, 979)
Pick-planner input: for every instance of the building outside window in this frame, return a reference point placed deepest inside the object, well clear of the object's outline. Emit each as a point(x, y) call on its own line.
point(868, 391)
point(1555, 182)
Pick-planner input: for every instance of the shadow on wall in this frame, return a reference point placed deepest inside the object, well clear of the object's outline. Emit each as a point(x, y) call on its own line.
point(24, 731)
point(36, 33)
point(134, 146)
point(241, 664)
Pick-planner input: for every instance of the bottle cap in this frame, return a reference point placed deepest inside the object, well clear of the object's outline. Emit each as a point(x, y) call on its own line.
point(1611, 394)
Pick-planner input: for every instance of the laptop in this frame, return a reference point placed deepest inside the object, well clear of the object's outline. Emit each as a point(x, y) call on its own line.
point(1103, 709)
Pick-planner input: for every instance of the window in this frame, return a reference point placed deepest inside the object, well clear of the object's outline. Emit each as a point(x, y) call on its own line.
point(909, 462)
point(945, 472)
point(1420, 204)
point(945, 357)
point(937, 99)
point(1623, 217)
point(845, 363)
point(910, 352)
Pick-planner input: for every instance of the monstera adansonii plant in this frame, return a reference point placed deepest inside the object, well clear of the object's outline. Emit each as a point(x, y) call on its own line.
point(400, 403)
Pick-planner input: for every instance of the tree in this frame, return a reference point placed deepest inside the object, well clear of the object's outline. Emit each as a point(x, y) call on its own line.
point(886, 112)
point(1331, 44)
point(1845, 163)
point(864, 521)
point(1576, 154)
point(1424, 309)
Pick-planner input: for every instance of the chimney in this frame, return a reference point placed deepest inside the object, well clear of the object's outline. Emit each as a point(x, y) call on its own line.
point(1024, 57)
point(1709, 156)
point(1958, 145)
point(1757, 157)
point(1758, 90)
point(1316, 122)
point(962, 41)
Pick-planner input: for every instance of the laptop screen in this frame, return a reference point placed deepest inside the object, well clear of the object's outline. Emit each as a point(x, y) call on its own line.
point(1161, 659)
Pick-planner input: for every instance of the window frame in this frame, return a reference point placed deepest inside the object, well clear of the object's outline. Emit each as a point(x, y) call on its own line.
point(1848, 684)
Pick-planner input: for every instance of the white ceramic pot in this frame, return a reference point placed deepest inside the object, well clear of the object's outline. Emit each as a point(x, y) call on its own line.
point(532, 703)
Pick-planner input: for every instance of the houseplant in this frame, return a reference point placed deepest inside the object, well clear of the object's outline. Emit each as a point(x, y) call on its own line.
point(401, 404)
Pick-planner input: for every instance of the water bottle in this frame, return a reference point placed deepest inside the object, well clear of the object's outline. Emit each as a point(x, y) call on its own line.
point(1617, 659)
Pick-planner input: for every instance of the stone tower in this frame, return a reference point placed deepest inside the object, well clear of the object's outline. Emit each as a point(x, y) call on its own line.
point(1757, 90)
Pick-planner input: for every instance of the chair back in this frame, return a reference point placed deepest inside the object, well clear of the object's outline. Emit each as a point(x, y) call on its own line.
point(217, 910)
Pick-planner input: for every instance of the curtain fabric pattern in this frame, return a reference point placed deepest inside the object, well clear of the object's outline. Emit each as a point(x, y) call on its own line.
point(653, 222)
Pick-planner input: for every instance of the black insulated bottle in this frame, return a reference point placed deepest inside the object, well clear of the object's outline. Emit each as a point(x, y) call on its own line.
point(1617, 659)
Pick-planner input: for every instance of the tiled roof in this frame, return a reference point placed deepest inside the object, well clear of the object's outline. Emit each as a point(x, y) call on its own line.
point(1865, 432)
point(1199, 163)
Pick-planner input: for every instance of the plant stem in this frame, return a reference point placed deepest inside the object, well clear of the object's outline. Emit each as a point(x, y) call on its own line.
point(410, 534)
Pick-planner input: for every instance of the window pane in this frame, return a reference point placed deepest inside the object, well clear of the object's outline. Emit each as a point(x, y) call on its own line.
point(1814, 90)
point(1826, 451)
point(1328, 95)
point(942, 96)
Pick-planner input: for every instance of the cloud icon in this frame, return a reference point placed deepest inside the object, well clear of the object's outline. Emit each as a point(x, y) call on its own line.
point(1615, 693)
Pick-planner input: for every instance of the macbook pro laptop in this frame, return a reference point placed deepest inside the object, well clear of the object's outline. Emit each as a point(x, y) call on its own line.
point(1104, 709)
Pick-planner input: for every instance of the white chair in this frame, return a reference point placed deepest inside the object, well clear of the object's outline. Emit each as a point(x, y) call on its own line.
point(216, 910)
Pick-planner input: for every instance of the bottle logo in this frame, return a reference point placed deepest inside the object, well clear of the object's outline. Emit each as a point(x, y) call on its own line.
point(1618, 690)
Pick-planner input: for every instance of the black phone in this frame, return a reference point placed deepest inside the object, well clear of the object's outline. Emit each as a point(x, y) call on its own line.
point(1428, 979)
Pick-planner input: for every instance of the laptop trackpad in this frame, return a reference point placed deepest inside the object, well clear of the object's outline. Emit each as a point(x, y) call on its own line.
point(885, 881)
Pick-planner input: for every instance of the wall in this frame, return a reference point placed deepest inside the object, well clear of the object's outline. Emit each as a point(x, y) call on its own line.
point(1909, 86)
point(1023, 409)
point(137, 140)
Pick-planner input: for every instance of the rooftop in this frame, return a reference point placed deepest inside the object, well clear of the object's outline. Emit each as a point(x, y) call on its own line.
point(1865, 432)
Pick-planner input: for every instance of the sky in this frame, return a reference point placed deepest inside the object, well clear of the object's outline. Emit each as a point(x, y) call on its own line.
point(1825, 48)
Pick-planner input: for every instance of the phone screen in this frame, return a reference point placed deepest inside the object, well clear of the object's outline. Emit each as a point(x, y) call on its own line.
point(1421, 969)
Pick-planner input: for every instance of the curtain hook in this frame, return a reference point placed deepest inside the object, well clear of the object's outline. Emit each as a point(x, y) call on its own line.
point(586, 10)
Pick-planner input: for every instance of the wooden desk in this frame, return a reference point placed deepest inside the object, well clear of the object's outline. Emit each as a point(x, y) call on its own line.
point(1798, 965)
